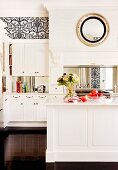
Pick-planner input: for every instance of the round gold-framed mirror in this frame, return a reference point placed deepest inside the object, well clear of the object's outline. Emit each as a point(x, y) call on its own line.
point(92, 29)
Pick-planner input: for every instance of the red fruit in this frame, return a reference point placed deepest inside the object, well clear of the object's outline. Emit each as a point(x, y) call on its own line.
point(94, 91)
point(90, 94)
point(83, 98)
point(95, 95)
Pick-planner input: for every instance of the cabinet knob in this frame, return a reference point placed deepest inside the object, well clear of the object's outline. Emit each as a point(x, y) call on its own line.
point(42, 96)
point(37, 72)
point(21, 103)
point(23, 72)
point(29, 96)
point(16, 96)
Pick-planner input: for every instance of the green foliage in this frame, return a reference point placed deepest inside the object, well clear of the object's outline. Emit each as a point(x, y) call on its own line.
point(68, 80)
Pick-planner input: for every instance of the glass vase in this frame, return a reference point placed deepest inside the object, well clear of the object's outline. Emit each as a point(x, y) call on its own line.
point(69, 91)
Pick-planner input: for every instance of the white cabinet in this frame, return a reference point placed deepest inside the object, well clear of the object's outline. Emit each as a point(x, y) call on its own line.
point(6, 103)
point(17, 59)
point(30, 59)
point(41, 63)
point(41, 111)
point(34, 108)
point(55, 73)
point(16, 108)
point(1, 115)
point(25, 108)
point(105, 126)
point(29, 108)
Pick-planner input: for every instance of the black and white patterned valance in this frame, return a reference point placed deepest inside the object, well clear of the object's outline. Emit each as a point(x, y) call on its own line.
point(95, 77)
point(27, 27)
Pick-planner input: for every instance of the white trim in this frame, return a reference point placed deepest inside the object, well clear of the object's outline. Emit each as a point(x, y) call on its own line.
point(77, 4)
point(23, 13)
point(89, 156)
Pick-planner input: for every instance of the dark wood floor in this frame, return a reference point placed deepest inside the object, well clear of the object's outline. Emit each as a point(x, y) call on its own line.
point(24, 149)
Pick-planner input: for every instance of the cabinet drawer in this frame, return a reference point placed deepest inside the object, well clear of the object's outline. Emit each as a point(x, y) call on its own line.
point(56, 89)
point(17, 96)
point(42, 97)
point(53, 97)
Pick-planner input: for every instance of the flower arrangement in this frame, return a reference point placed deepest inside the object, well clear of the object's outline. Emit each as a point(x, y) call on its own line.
point(68, 80)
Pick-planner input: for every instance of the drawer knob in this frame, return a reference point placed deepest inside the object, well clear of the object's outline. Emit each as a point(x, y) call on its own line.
point(29, 96)
point(42, 96)
point(16, 96)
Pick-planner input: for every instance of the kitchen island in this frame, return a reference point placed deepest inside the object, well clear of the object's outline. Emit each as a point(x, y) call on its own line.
point(83, 131)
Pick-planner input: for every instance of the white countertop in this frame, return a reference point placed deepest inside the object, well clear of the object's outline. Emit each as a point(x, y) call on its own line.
point(28, 93)
point(95, 102)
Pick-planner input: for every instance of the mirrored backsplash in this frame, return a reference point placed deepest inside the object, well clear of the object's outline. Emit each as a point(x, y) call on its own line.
point(99, 77)
point(30, 84)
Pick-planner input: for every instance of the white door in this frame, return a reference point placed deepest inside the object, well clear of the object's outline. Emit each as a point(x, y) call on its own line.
point(6, 110)
point(36, 59)
point(105, 126)
point(42, 62)
point(29, 60)
point(29, 104)
point(16, 109)
point(17, 59)
point(41, 109)
point(55, 73)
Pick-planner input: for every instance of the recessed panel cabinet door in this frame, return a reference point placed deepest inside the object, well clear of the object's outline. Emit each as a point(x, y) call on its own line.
point(16, 109)
point(42, 67)
point(29, 59)
point(36, 59)
point(18, 59)
point(41, 109)
point(105, 126)
point(29, 105)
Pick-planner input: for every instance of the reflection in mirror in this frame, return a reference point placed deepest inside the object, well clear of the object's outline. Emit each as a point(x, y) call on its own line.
point(92, 29)
point(104, 78)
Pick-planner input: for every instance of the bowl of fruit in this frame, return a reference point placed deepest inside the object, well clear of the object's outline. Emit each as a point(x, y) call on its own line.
point(95, 94)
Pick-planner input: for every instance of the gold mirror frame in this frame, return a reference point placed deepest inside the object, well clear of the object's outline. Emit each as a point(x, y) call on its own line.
point(86, 17)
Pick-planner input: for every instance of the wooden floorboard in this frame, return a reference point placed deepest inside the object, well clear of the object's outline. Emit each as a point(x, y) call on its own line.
point(24, 149)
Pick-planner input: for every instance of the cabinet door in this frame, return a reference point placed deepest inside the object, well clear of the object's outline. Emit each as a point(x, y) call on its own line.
point(42, 62)
point(55, 73)
point(29, 60)
point(105, 126)
point(17, 59)
point(6, 109)
point(1, 115)
point(41, 110)
point(29, 111)
point(36, 59)
point(16, 109)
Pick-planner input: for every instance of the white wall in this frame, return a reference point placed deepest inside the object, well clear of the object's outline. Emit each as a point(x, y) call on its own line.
point(63, 29)
point(64, 42)
point(21, 8)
